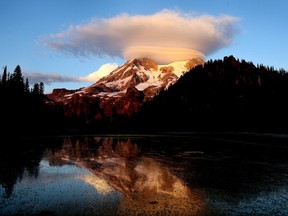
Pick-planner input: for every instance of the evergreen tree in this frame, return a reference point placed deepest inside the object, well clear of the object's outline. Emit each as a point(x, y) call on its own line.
point(41, 88)
point(17, 75)
point(36, 90)
point(4, 77)
point(26, 88)
point(16, 81)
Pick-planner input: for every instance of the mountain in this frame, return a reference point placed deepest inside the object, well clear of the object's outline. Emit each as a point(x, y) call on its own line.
point(225, 94)
point(123, 91)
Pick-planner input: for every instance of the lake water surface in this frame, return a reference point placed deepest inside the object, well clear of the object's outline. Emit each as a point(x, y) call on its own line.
point(163, 174)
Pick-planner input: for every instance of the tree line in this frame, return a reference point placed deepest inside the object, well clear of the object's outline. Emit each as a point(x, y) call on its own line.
point(23, 108)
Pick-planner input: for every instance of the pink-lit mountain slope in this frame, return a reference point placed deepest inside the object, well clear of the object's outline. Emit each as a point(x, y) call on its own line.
point(125, 89)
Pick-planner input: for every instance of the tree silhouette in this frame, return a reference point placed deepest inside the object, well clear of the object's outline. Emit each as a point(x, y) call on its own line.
point(26, 87)
point(4, 77)
point(36, 89)
point(16, 82)
point(41, 88)
point(24, 111)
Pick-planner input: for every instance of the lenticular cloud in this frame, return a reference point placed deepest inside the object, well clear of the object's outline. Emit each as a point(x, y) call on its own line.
point(164, 36)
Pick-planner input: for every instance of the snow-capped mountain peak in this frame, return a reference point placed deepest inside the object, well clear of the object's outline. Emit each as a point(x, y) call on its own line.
point(126, 88)
point(144, 73)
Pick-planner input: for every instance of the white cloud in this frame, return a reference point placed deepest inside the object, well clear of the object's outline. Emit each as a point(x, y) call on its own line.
point(101, 72)
point(123, 35)
point(48, 78)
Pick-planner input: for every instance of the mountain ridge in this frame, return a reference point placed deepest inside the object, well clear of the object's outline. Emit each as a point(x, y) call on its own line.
point(124, 90)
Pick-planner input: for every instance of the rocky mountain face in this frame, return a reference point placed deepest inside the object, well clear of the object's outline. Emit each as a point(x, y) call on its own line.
point(123, 91)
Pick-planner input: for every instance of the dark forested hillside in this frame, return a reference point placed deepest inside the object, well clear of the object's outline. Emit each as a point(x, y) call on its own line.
point(226, 94)
point(23, 109)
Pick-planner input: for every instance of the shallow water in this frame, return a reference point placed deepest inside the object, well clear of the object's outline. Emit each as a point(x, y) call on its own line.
point(167, 174)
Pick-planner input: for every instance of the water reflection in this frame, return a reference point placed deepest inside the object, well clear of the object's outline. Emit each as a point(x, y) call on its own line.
point(144, 175)
point(147, 185)
point(15, 160)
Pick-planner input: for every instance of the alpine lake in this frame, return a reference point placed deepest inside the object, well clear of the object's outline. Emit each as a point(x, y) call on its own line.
point(145, 174)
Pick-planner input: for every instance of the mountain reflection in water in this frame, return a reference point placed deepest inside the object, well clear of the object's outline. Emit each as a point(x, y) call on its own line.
point(171, 174)
point(147, 185)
